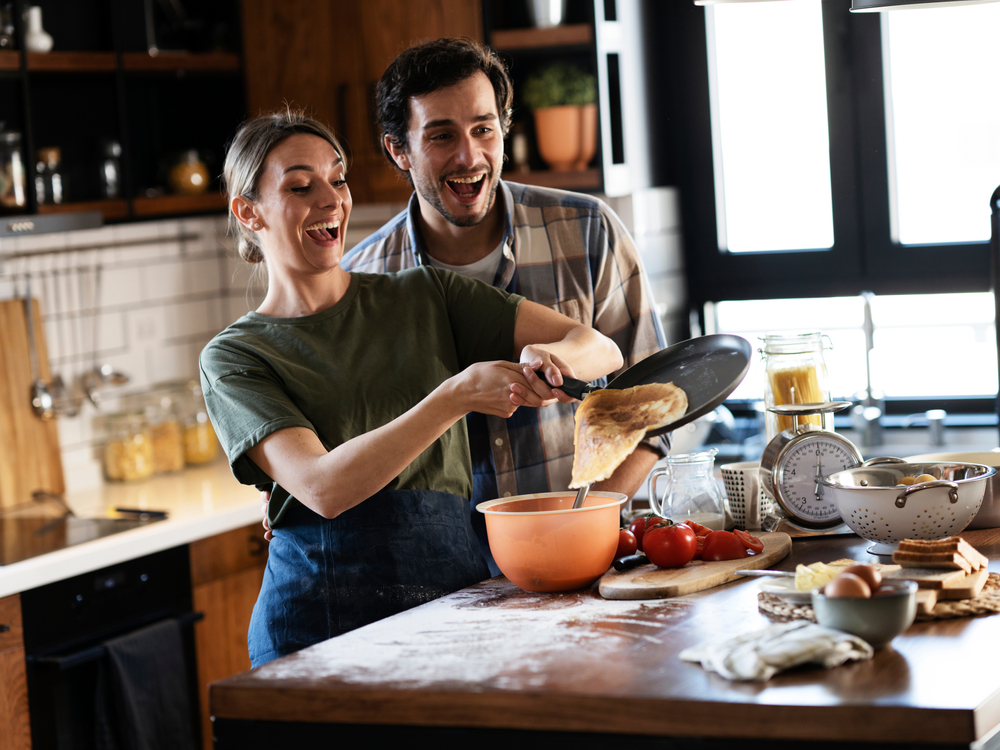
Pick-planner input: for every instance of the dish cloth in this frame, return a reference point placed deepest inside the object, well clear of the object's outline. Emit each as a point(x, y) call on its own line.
point(762, 654)
point(143, 692)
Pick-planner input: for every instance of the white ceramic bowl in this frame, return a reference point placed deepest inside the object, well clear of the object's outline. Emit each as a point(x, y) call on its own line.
point(988, 516)
point(879, 511)
point(877, 620)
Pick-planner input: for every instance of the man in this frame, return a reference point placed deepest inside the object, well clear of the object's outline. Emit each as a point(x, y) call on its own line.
point(444, 110)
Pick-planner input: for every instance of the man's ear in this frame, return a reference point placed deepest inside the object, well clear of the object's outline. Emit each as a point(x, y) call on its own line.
point(397, 153)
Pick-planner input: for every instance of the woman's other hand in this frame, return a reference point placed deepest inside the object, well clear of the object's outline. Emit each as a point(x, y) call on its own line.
point(489, 388)
point(265, 498)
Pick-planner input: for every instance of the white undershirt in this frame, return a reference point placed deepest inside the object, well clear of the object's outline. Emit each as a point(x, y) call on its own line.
point(483, 270)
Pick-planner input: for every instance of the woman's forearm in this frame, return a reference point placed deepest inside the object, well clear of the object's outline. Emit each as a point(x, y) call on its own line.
point(330, 482)
point(588, 352)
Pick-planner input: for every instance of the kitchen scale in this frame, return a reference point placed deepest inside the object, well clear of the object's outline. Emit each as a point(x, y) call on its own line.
point(793, 460)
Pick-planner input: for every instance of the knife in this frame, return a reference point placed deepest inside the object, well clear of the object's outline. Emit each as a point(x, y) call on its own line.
point(762, 573)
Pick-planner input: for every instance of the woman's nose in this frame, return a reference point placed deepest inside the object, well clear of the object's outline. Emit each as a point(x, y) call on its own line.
point(330, 196)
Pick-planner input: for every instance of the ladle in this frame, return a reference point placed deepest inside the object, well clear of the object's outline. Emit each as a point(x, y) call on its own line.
point(581, 495)
point(65, 404)
point(41, 398)
point(99, 375)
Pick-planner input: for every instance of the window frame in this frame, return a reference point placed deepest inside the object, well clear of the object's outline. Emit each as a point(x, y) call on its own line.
point(863, 257)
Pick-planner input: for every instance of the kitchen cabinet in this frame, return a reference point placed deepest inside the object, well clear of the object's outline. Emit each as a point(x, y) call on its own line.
point(605, 38)
point(335, 82)
point(226, 573)
point(16, 734)
point(101, 84)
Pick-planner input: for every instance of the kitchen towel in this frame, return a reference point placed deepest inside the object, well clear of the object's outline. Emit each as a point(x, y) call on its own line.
point(143, 695)
point(762, 654)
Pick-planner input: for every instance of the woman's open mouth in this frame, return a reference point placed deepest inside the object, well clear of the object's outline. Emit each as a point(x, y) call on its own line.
point(467, 188)
point(324, 231)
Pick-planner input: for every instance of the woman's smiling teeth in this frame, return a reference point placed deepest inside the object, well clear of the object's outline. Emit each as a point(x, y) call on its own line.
point(324, 231)
point(466, 186)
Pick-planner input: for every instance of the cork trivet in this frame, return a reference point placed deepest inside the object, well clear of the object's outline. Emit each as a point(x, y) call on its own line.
point(987, 603)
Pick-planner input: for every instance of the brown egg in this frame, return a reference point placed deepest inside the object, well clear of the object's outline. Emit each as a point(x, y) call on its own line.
point(847, 586)
point(926, 478)
point(866, 573)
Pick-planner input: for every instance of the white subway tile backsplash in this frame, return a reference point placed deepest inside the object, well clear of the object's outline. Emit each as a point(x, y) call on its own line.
point(119, 286)
point(202, 275)
point(163, 280)
point(193, 318)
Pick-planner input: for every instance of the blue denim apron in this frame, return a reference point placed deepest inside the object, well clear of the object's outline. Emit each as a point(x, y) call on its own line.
point(324, 577)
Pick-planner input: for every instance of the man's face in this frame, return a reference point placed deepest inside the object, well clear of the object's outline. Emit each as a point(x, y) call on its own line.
point(455, 150)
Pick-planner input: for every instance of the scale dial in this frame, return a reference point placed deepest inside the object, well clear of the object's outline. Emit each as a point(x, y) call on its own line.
point(804, 458)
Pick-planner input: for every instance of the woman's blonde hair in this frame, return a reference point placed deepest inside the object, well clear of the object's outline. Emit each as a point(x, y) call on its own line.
point(245, 159)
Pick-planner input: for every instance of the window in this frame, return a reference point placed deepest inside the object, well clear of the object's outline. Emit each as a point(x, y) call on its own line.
point(943, 122)
point(771, 144)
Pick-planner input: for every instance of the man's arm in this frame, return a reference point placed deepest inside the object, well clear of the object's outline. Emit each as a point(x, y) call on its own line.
point(631, 474)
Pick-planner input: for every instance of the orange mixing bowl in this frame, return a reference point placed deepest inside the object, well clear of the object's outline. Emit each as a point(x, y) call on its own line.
point(542, 544)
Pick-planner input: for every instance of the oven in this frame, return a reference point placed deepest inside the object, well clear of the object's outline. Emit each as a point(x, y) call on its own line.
point(72, 626)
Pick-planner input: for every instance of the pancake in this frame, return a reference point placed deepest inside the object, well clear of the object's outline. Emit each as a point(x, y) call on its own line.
point(611, 422)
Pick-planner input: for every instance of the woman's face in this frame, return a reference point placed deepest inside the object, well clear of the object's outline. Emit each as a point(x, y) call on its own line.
point(303, 205)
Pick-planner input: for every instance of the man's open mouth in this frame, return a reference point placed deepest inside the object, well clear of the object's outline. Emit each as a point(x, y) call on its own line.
point(324, 231)
point(467, 187)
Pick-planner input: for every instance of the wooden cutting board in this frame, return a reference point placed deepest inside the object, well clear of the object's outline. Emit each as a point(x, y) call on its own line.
point(29, 446)
point(649, 582)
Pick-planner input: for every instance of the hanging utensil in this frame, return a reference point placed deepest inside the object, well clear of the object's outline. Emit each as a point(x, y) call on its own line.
point(63, 401)
point(98, 376)
point(41, 398)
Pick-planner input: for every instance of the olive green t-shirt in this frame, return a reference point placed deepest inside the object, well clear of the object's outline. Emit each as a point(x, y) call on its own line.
point(385, 346)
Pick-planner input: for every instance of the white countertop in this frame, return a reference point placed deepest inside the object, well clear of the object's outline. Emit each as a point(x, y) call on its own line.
point(202, 501)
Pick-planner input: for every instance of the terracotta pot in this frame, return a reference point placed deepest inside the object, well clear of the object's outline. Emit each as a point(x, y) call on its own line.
point(557, 130)
point(588, 135)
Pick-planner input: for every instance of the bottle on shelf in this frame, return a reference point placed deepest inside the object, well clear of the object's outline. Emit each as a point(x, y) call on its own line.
point(36, 39)
point(48, 176)
point(111, 169)
point(7, 27)
point(13, 196)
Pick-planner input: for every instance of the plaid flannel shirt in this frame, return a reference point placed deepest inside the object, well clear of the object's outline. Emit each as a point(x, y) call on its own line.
point(567, 251)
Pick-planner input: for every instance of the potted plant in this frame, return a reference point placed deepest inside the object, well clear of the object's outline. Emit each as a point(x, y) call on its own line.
point(563, 100)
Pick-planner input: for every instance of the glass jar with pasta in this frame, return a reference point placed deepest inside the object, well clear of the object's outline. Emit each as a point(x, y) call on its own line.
point(128, 454)
point(200, 442)
point(796, 374)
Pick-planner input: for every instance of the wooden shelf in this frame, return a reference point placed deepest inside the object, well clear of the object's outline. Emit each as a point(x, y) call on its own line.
point(111, 209)
point(178, 204)
point(10, 59)
point(72, 62)
point(213, 61)
point(556, 36)
point(586, 179)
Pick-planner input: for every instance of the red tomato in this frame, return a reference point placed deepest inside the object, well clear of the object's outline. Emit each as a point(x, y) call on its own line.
point(722, 545)
point(698, 528)
point(638, 526)
point(670, 545)
point(627, 544)
point(751, 542)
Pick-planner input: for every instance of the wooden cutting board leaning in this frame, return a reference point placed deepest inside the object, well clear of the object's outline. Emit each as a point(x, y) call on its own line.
point(651, 582)
point(30, 459)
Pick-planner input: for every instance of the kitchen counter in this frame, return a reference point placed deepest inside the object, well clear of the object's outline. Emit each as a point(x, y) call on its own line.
point(202, 501)
point(493, 662)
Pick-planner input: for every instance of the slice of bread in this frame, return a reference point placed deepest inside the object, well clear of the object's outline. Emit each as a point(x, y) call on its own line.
point(952, 553)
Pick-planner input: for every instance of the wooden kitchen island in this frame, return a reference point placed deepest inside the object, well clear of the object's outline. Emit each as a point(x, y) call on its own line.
point(494, 666)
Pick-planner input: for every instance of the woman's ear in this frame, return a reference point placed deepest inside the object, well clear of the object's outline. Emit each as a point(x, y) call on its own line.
point(245, 213)
point(398, 154)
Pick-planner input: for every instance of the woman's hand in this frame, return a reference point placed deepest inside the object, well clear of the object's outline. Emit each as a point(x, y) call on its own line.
point(542, 391)
point(489, 388)
point(265, 498)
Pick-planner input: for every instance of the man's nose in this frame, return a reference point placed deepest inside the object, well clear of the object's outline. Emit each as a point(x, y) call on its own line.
point(466, 150)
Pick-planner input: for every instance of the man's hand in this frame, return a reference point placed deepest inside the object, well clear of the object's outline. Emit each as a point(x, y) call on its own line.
point(265, 497)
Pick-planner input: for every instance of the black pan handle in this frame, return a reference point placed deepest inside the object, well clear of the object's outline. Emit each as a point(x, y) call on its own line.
point(571, 386)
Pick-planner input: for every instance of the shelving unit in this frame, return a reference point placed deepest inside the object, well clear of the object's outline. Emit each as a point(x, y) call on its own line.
point(603, 36)
point(101, 82)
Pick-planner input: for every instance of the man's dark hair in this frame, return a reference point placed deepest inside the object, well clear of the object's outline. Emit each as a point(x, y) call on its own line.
point(432, 66)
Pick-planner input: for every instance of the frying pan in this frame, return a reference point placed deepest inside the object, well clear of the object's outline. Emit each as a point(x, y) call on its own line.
point(707, 368)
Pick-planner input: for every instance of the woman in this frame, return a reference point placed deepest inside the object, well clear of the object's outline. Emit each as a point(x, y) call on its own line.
point(345, 394)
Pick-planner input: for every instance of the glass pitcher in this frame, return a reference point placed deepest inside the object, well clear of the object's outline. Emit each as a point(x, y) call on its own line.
point(691, 491)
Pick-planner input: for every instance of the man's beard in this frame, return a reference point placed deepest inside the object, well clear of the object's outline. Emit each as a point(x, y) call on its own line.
point(433, 197)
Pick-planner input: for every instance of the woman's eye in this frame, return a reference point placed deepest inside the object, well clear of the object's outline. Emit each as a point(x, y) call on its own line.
point(338, 183)
point(301, 189)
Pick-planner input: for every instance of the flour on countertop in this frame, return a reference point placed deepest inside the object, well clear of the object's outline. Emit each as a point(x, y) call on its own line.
point(492, 635)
